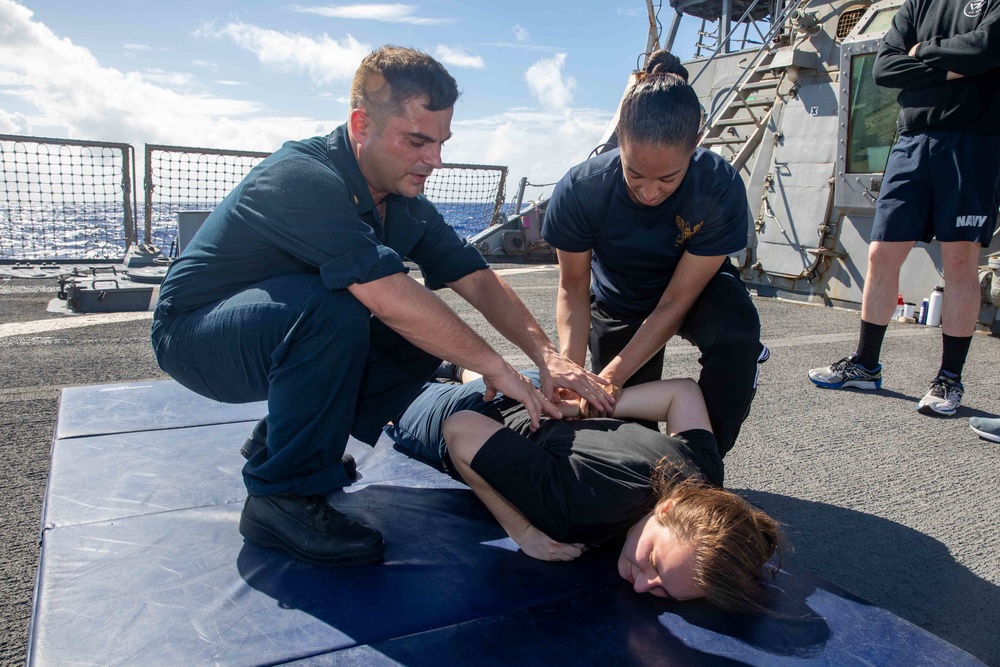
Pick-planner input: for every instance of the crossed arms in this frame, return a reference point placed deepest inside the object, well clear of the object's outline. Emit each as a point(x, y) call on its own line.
point(906, 62)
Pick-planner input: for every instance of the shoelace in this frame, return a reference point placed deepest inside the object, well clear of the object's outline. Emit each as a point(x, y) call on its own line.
point(946, 388)
point(319, 509)
point(841, 365)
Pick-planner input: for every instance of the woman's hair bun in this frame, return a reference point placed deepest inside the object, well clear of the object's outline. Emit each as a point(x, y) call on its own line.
point(664, 62)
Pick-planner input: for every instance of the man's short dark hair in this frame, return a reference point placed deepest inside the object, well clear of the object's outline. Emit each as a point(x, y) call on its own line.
point(391, 76)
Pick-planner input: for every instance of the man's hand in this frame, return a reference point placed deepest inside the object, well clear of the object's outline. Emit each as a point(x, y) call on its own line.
point(558, 371)
point(913, 50)
point(613, 390)
point(511, 383)
point(538, 545)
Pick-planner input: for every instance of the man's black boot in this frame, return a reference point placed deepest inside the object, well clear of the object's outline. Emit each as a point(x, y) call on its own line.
point(309, 529)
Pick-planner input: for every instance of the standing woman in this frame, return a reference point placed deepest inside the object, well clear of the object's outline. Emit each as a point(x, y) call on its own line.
point(642, 234)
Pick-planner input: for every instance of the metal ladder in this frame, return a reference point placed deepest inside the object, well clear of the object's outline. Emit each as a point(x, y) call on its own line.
point(738, 122)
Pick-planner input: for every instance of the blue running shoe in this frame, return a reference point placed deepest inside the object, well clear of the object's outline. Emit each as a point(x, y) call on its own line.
point(847, 373)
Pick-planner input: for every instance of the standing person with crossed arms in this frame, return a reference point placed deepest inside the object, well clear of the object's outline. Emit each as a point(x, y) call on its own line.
point(942, 180)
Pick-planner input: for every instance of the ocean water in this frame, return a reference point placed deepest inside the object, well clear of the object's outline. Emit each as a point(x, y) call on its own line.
point(96, 231)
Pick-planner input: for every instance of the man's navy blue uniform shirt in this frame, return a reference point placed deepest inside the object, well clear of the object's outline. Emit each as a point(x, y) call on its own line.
point(636, 248)
point(306, 209)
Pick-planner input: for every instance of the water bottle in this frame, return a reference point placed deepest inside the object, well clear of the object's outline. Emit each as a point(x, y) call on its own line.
point(899, 308)
point(922, 319)
point(934, 307)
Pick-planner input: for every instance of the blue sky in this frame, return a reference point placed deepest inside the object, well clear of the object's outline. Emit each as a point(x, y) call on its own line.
point(540, 80)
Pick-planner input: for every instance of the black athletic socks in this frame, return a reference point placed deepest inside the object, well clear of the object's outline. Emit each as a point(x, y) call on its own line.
point(954, 350)
point(870, 344)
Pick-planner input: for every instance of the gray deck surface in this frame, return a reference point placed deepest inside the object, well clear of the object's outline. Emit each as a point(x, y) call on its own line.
point(898, 508)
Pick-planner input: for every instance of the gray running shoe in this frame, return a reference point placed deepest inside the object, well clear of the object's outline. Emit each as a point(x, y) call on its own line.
point(943, 399)
point(986, 427)
point(847, 373)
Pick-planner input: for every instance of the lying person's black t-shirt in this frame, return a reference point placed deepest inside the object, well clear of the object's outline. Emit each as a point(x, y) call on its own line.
point(587, 480)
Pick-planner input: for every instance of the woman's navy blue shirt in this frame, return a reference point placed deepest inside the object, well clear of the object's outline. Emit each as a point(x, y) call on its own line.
point(636, 248)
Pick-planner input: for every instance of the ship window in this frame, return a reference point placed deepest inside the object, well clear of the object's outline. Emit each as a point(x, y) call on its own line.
point(880, 22)
point(848, 20)
point(872, 119)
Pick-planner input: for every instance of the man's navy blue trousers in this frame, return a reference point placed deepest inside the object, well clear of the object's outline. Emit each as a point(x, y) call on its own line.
point(326, 367)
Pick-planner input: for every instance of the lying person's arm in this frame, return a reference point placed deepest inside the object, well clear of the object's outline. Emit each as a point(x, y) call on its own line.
point(678, 402)
point(466, 432)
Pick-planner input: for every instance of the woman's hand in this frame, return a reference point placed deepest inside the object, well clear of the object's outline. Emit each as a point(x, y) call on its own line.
point(538, 545)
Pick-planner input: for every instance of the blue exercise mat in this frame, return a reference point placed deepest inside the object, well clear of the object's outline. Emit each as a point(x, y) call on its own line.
point(142, 563)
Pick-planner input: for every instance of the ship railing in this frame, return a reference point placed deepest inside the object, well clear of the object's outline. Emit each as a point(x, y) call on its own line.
point(182, 178)
point(65, 199)
point(179, 178)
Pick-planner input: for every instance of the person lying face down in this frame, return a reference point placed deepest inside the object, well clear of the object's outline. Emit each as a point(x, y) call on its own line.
point(578, 483)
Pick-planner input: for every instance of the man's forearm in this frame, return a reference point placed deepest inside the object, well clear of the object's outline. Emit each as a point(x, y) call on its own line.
point(505, 311)
point(423, 319)
point(969, 54)
point(895, 66)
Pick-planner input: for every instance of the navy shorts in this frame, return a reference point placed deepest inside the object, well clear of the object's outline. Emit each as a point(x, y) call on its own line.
point(419, 430)
point(940, 184)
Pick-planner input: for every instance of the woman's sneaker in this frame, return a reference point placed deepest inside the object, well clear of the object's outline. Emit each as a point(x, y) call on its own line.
point(847, 373)
point(943, 399)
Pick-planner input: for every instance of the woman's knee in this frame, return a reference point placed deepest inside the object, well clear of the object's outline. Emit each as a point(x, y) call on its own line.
point(739, 328)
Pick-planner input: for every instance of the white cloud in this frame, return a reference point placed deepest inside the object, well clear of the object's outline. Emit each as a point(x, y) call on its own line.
point(324, 59)
point(540, 145)
point(339, 99)
point(457, 57)
point(394, 13)
point(14, 123)
point(545, 79)
point(137, 47)
point(169, 79)
point(520, 34)
point(520, 46)
point(224, 82)
point(62, 89)
point(72, 95)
